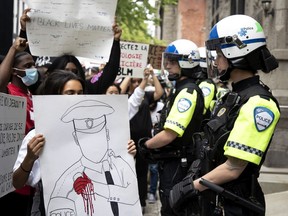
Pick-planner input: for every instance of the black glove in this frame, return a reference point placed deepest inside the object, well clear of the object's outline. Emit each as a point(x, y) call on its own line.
point(142, 148)
point(181, 192)
point(145, 153)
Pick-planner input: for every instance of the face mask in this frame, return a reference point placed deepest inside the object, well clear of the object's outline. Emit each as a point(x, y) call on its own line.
point(31, 76)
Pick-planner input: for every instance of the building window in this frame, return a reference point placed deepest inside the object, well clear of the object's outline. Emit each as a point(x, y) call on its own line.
point(237, 7)
point(215, 12)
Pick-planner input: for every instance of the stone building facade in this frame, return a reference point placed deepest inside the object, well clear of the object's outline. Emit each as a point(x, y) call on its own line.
point(193, 19)
point(185, 20)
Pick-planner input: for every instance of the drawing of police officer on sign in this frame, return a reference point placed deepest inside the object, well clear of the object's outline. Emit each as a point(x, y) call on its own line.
point(99, 181)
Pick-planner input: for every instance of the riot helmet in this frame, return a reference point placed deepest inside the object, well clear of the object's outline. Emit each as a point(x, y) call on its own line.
point(202, 53)
point(241, 40)
point(185, 54)
point(203, 61)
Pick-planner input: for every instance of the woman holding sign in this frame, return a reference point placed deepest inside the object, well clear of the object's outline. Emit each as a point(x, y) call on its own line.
point(27, 166)
point(71, 63)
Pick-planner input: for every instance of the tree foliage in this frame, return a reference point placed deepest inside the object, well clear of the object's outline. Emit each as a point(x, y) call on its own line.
point(133, 16)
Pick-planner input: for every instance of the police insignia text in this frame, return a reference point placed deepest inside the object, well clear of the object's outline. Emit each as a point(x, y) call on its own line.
point(183, 105)
point(206, 91)
point(263, 118)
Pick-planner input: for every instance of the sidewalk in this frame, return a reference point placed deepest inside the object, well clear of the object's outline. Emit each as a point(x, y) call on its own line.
point(274, 183)
point(152, 209)
point(276, 205)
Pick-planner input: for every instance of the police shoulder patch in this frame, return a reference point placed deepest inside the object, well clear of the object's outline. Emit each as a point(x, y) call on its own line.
point(263, 118)
point(206, 91)
point(183, 105)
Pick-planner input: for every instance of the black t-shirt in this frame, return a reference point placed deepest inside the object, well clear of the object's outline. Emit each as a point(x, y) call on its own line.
point(109, 74)
point(141, 124)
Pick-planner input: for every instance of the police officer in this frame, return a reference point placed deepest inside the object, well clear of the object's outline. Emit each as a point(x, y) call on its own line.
point(206, 84)
point(241, 129)
point(180, 117)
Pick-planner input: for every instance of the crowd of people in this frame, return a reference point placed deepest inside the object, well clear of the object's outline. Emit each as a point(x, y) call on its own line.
point(211, 126)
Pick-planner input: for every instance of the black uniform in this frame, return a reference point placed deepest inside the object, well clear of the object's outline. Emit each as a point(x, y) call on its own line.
point(245, 107)
point(182, 113)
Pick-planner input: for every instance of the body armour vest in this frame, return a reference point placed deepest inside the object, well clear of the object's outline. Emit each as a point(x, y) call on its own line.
point(224, 115)
point(182, 146)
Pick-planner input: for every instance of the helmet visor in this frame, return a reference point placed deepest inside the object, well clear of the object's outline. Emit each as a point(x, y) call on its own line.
point(173, 59)
point(212, 71)
point(184, 61)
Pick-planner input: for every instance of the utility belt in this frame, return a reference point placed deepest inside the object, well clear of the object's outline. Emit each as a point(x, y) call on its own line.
point(167, 153)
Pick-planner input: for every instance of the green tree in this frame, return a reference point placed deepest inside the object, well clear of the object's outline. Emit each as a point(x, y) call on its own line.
point(133, 16)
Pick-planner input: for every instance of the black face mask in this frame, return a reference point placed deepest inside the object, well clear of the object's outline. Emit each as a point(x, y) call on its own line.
point(226, 75)
point(173, 77)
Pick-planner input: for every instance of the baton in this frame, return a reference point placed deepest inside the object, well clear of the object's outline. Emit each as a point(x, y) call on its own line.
point(237, 199)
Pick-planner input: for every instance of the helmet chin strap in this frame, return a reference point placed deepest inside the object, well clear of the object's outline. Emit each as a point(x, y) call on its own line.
point(226, 74)
point(174, 77)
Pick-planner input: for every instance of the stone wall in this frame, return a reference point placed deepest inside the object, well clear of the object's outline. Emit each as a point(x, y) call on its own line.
point(185, 20)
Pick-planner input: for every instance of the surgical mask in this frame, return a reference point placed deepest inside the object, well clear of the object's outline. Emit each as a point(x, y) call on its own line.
point(31, 76)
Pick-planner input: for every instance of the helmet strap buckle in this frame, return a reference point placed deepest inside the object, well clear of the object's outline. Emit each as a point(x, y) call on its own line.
point(234, 39)
point(190, 58)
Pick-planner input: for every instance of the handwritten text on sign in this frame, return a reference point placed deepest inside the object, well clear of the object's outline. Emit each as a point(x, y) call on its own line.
point(81, 28)
point(12, 131)
point(133, 59)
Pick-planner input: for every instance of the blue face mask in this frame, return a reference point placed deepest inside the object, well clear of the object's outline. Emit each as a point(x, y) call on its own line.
point(31, 76)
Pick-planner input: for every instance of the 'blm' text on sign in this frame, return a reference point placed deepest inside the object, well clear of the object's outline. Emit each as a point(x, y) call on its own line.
point(133, 59)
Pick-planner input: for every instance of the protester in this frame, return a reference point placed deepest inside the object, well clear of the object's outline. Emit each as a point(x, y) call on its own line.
point(136, 98)
point(113, 89)
point(99, 83)
point(27, 167)
point(239, 132)
point(67, 63)
point(18, 76)
point(141, 125)
point(70, 62)
point(155, 110)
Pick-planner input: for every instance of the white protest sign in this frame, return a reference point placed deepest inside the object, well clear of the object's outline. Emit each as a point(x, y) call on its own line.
point(12, 132)
point(80, 28)
point(85, 167)
point(133, 59)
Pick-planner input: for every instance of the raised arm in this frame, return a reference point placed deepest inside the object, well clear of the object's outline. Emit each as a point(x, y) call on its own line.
point(159, 91)
point(111, 69)
point(19, 45)
point(135, 100)
point(23, 21)
point(125, 84)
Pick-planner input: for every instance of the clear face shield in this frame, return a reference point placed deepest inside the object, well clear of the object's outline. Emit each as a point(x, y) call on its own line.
point(212, 70)
point(169, 60)
point(170, 65)
point(214, 49)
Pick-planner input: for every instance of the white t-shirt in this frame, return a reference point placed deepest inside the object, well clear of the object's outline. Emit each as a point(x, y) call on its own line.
point(34, 176)
point(155, 114)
